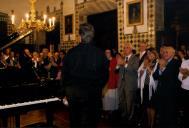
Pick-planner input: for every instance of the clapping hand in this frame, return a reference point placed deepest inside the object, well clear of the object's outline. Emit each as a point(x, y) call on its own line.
point(162, 64)
point(185, 72)
point(120, 61)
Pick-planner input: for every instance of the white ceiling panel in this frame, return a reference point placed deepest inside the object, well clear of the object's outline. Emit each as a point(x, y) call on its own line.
point(97, 6)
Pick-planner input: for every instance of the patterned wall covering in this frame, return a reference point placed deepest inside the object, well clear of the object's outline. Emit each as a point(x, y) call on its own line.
point(135, 39)
point(61, 25)
point(10, 27)
point(5, 17)
point(77, 23)
point(94, 7)
point(66, 45)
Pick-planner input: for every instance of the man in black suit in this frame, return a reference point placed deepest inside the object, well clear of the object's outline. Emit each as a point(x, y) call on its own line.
point(85, 72)
point(166, 93)
point(142, 52)
point(141, 55)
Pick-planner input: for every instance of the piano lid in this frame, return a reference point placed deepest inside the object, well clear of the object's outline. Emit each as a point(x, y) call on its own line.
point(13, 38)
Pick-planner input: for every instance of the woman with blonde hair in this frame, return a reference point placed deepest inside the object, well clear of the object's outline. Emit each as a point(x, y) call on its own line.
point(147, 86)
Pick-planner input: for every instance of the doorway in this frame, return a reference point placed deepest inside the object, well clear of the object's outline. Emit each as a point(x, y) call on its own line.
point(105, 25)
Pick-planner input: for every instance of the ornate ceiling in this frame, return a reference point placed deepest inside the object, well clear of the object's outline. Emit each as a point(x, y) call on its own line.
point(97, 6)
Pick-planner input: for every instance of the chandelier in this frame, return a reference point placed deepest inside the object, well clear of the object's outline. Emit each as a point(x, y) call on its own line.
point(31, 22)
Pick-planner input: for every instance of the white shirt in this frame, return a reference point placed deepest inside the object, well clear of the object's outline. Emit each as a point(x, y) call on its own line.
point(141, 54)
point(141, 79)
point(35, 62)
point(185, 82)
point(183, 59)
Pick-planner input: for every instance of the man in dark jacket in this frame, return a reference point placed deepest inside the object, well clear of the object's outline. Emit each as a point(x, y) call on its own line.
point(166, 93)
point(85, 73)
point(142, 52)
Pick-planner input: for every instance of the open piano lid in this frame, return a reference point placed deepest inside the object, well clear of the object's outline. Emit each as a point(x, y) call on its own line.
point(13, 38)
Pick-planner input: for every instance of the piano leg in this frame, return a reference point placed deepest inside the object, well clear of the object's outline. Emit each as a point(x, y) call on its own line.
point(17, 120)
point(8, 122)
point(5, 121)
point(49, 116)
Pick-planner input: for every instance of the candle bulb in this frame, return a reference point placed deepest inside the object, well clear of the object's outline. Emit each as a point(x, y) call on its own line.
point(44, 18)
point(27, 17)
point(53, 21)
point(50, 22)
point(13, 19)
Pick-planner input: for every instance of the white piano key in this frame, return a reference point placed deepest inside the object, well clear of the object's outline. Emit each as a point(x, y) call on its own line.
point(2, 107)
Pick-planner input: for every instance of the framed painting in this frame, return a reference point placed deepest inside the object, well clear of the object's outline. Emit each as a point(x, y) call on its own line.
point(68, 24)
point(134, 13)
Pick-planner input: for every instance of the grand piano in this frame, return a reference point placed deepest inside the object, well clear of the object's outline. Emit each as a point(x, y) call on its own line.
point(18, 96)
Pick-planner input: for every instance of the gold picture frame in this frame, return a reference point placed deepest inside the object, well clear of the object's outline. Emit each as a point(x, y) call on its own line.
point(68, 24)
point(134, 15)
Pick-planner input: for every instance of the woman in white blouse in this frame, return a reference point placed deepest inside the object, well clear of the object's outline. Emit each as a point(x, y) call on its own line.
point(148, 85)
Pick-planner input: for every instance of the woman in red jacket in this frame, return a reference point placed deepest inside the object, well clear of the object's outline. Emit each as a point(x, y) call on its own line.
point(110, 94)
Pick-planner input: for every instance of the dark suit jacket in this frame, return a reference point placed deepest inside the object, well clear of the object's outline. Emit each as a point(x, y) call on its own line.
point(167, 81)
point(142, 58)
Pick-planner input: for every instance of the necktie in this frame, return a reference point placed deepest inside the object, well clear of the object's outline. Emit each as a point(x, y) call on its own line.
point(126, 59)
point(147, 78)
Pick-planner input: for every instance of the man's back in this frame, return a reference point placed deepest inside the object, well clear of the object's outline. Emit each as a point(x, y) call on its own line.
point(85, 65)
point(85, 72)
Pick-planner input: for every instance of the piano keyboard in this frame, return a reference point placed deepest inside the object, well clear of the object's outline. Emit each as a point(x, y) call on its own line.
point(3, 107)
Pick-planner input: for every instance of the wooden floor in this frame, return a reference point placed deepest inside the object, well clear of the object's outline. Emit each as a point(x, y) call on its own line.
point(37, 119)
point(61, 119)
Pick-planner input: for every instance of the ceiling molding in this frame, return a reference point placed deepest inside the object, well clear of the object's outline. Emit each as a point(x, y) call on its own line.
point(96, 6)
